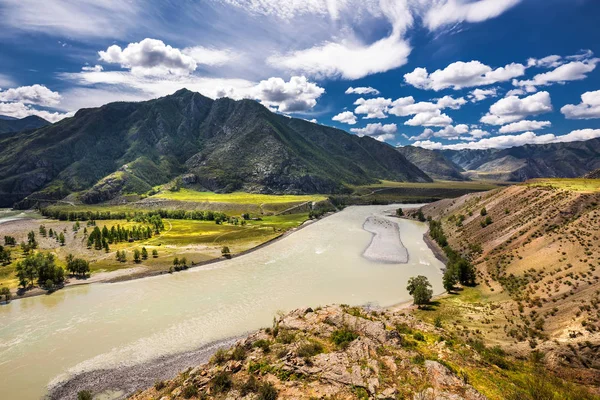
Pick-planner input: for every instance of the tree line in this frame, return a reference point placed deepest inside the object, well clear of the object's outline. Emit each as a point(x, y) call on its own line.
point(137, 216)
point(458, 269)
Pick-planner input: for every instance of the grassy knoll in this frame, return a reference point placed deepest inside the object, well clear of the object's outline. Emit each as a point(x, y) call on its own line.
point(572, 184)
point(236, 197)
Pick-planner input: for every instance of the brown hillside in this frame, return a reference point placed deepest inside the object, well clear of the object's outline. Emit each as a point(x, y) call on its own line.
point(538, 262)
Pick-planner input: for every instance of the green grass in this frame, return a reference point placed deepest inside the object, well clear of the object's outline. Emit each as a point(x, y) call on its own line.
point(574, 184)
point(474, 185)
point(236, 197)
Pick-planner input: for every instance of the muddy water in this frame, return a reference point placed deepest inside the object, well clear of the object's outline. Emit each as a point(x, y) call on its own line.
point(46, 339)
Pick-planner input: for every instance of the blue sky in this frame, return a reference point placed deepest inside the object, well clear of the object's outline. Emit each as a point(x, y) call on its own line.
point(434, 73)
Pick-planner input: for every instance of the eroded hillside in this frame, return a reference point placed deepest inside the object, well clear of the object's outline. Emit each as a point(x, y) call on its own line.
point(537, 251)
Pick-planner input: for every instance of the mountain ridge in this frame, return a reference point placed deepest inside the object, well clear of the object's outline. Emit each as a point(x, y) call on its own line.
point(10, 124)
point(222, 145)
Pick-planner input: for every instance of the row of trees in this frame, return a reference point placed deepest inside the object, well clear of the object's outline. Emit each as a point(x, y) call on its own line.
point(138, 255)
point(40, 267)
point(137, 216)
point(458, 269)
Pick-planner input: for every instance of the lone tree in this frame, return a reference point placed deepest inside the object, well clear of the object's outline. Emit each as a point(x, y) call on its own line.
point(136, 256)
point(399, 212)
point(419, 288)
point(5, 294)
point(144, 253)
point(226, 252)
point(154, 253)
point(450, 279)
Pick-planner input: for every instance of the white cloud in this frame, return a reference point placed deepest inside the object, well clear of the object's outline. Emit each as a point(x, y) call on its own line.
point(296, 95)
point(573, 71)
point(373, 108)
point(507, 141)
point(20, 110)
point(82, 18)
point(377, 130)
point(6, 81)
point(351, 57)
point(35, 94)
point(207, 56)
point(95, 68)
point(552, 61)
point(459, 75)
point(150, 57)
point(435, 118)
point(346, 117)
point(454, 11)
point(588, 108)
point(513, 108)
point(523, 126)
point(482, 94)
point(450, 132)
point(362, 90)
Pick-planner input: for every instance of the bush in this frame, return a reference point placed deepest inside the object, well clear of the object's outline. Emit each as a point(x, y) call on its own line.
point(189, 391)
point(309, 349)
point(84, 395)
point(265, 345)
point(267, 391)
point(250, 386)
point(419, 336)
point(286, 337)
point(221, 383)
point(219, 357)
point(419, 359)
point(343, 337)
point(159, 385)
point(238, 354)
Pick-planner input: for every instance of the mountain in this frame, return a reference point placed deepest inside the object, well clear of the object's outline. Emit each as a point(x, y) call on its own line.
point(561, 160)
point(595, 174)
point(9, 124)
point(222, 145)
point(433, 163)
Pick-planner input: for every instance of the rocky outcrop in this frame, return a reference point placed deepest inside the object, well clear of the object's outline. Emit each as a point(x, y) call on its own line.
point(334, 352)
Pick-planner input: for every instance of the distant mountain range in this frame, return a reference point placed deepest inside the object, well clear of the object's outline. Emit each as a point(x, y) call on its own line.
point(516, 164)
point(220, 145)
point(9, 124)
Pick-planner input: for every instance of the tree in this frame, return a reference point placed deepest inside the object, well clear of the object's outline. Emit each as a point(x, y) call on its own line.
point(144, 253)
point(421, 216)
point(449, 279)
point(176, 261)
point(61, 239)
point(226, 252)
point(399, 212)
point(10, 241)
point(419, 288)
point(31, 240)
point(154, 253)
point(5, 294)
point(136, 256)
point(183, 261)
point(483, 212)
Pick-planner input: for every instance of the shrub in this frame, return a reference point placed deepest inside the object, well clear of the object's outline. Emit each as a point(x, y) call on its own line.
point(419, 359)
point(238, 354)
point(309, 349)
point(250, 386)
point(159, 385)
point(419, 336)
point(343, 337)
point(189, 391)
point(267, 391)
point(265, 345)
point(286, 337)
point(403, 328)
point(221, 383)
point(84, 395)
point(219, 357)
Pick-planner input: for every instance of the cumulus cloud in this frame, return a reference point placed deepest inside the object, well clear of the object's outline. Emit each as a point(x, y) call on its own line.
point(450, 132)
point(20, 110)
point(296, 95)
point(346, 117)
point(362, 90)
point(373, 108)
point(506, 141)
point(455, 11)
point(406, 106)
point(523, 126)
point(512, 108)
point(588, 108)
point(572, 71)
point(35, 94)
point(435, 118)
point(150, 57)
point(459, 75)
point(377, 131)
point(482, 94)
